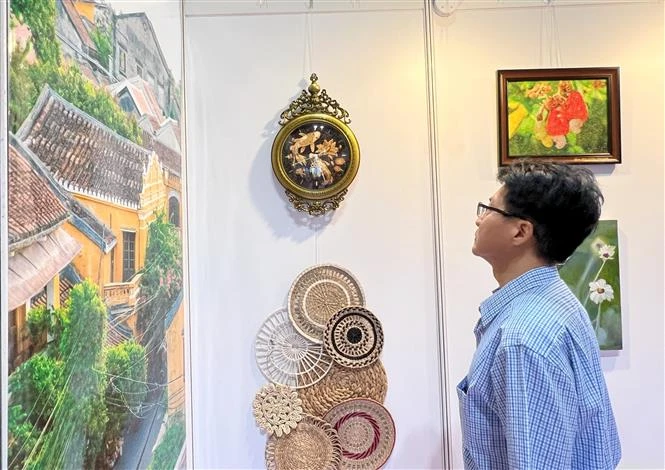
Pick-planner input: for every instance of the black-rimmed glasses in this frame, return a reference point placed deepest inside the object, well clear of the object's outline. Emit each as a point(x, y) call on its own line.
point(482, 209)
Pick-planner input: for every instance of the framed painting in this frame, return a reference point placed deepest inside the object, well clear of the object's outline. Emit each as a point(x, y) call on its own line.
point(95, 304)
point(568, 115)
point(315, 155)
point(592, 273)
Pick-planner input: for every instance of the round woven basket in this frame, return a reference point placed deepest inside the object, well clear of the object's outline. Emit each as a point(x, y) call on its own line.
point(312, 445)
point(353, 337)
point(341, 384)
point(366, 433)
point(317, 294)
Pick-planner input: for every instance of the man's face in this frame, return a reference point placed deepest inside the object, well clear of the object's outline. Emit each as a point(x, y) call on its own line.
point(495, 231)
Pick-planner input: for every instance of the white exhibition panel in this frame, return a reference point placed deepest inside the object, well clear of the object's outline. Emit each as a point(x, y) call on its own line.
point(246, 245)
point(470, 46)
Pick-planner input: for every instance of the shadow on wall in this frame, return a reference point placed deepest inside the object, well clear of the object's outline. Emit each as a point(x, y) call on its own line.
point(415, 440)
point(268, 195)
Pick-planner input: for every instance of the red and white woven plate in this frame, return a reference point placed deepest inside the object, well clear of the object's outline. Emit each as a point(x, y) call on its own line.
point(366, 432)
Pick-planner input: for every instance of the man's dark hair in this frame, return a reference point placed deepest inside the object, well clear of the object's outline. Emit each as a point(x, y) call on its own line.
point(563, 202)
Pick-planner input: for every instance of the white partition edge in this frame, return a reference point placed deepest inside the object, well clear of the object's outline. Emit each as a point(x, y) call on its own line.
point(4, 368)
point(194, 8)
point(189, 439)
point(437, 220)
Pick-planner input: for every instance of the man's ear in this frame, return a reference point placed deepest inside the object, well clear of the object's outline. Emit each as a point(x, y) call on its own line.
point(523, 232)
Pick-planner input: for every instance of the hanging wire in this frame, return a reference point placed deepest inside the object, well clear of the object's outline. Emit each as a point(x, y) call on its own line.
point(555, 34)
point(308, 68)
point(549, 36)
point(307, 52)
point(316, 246)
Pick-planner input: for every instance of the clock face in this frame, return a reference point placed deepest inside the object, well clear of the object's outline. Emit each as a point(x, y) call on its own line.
point(315, 155)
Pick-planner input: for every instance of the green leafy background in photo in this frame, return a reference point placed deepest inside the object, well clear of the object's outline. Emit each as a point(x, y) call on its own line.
point(587, 265)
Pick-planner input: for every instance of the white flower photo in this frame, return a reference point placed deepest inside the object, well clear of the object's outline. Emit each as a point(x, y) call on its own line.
point(600, 291)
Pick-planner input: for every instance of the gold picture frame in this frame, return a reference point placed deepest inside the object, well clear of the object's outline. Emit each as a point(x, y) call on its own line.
point(315, 156)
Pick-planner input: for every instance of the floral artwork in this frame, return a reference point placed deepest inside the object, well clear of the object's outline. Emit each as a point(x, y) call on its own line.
point(315, 155)
point(550, 117)
point(564, 116)
point(592, 273)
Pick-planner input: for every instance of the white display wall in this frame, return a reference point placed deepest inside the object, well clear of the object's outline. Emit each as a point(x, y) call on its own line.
point(470, 47)
point(246, 246)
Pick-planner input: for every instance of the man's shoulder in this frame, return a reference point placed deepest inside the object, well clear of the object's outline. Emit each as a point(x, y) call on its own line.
point(542, 319)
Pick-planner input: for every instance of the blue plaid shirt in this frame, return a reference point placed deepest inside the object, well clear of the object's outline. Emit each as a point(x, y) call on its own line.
point(535, 396)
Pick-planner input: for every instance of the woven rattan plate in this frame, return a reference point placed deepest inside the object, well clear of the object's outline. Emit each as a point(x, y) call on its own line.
point(353, 337)
point(317, 294)
point(341, 384)
point(286, 357)
point(312, 445)
point(366, 432)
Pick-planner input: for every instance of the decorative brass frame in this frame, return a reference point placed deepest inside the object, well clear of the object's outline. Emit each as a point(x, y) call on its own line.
point(314, 106)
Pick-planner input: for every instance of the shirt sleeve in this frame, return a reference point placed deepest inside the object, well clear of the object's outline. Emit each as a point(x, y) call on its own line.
point(536, 404)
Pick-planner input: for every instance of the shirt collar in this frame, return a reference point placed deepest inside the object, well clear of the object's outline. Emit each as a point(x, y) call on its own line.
point(501, 297)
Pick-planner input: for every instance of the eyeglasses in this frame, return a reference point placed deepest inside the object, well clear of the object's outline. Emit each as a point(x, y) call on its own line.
point(482, 209)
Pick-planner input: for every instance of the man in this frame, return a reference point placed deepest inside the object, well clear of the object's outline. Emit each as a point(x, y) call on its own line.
point(535, 396)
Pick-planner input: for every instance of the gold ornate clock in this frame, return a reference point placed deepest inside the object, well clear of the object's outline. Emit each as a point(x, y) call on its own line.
point(315, 155)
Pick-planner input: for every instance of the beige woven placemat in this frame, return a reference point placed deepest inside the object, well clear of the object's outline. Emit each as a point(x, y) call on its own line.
point(312, 445)
point(341, 384)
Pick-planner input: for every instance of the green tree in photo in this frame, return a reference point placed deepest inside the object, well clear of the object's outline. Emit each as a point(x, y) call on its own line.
point(39, 15)
point(36, 386)
point(79, 418)
point(161, 282)
point(125, 392)
point(167, 452)
point(102, 39)
point(26, 81)
point(39, 319)
point(22, 89)
point(22, 436)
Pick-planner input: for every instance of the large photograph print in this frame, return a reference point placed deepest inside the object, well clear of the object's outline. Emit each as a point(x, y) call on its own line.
point(95, 273)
